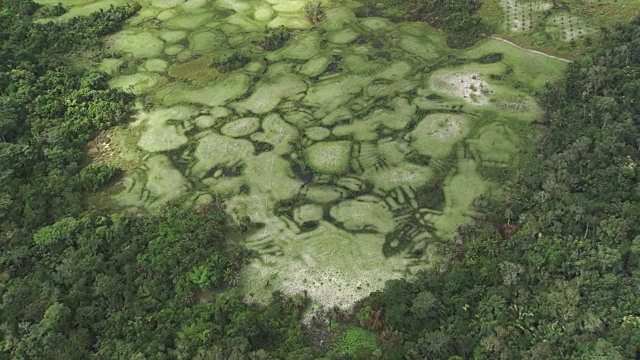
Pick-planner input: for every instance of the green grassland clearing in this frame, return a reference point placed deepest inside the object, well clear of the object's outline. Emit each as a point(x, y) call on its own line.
point(354, 148)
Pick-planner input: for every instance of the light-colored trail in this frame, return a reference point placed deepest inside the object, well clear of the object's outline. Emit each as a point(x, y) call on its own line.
point(529, 50)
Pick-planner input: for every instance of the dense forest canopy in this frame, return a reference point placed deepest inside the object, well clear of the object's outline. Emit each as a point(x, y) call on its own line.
point(549, 272)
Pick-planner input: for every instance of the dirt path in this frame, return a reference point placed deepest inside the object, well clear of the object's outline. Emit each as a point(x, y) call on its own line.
point(531, 51)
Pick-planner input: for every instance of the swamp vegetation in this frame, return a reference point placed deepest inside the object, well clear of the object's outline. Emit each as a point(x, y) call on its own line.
point(285, 180)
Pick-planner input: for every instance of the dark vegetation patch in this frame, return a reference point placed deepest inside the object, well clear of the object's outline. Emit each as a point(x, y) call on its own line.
point(456, 17)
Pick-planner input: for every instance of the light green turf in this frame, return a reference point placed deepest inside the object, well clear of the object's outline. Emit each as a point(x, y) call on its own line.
point(473, 84)
point(110, 65)
point(166, 4)
point(437, 134)
point(217, 150)
point(343, 37)
point(270, 175)
point(241, 127)
point(315, 66)
point(137, 45)
point(213, 118)
point(376, 24)
point(364, 214)
point(338, 18)
point(323, 193)
point(528, 68)
point(88, 8)
point(330, 94)
point(419, 47)
point(329, 157)
point(164, 181)
point(187, 22)
point(159, 134)
point(156, 65)
point(334, 266)
point(214, 95)
point(309, 212)
point(404, 174)
point(317, 133)
point(205, 41)
point(173, 49)
point(495, 145)
point(460, 189)
point(294, 21)
point(263, 12)
point(278, 83)
point(303, 47)
point(137, 83)
point(278, 133)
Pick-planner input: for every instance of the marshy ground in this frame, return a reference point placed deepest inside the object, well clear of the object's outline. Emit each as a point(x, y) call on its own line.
point(354, 148)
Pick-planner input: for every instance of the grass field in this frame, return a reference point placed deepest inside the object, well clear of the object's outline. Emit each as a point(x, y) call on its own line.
point(567, 29)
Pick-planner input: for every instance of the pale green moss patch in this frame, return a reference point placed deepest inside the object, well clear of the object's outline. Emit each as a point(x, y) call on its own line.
point(315, 66)
point(317, 133)
point(343, 37)
point(419, 47)
point(437, 134)
point(214, 117)
point(277, 84)
point(160, 135)
point(137, 45)
point(268, 174)
point(302, 47)
point(364, 214)
point(156, 65)
point(334, 266)
point(172, 36)
point(278, 133)
point(205, 41)
point(188, 22)
point(166, 4)
point(289, 6)
point(460, 189)
point(110, 66)
point(376, 23)
point(164, 181)
point(294, 21)
point(87, 9)
point(173, 49)
point(494, 145)
point(218, 150)
point(136, 83)
point(323, 193)
point(196, 71)
point(329, 157)
point(263, 12)
point(404, 174)
point(214, 95)
point(528, 68)
point(306, 213)
point(241, 127)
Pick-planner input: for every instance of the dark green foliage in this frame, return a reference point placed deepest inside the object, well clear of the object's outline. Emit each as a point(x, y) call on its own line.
point(52, 11)
point(314, 12)
point(275, 38)
point(48, 112)
point(456, 17)
point(356, 343)
point(78, 285)
point(94, 176)
point(566, 285)
point(123, 285)
point(231, 62)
